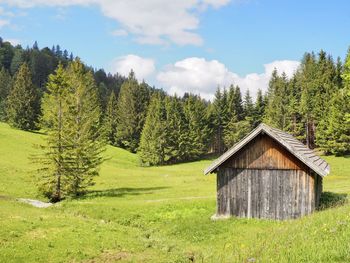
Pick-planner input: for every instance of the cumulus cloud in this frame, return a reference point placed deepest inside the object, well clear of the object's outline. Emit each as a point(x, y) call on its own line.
point(143, 67)
point(151, 21)
point(119, 32)
point(4, 17)
point(200, 76)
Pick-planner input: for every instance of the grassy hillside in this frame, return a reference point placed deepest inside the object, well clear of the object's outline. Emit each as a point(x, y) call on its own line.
point(160, 214)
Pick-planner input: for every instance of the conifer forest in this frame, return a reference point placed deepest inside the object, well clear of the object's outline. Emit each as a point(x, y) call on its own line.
point(82, 109)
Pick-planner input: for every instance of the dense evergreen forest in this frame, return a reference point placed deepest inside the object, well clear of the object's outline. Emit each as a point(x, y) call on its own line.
point(313, 105)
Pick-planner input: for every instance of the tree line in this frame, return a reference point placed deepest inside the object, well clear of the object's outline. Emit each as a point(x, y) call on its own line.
point(82, 109)
point(41, 63)
point(313, 104)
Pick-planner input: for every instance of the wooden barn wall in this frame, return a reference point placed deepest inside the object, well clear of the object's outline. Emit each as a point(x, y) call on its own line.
point(264, 153)
point(272, 194)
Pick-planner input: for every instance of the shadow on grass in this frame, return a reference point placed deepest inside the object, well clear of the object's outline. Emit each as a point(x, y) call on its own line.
point(120, 192)
point(330, 199)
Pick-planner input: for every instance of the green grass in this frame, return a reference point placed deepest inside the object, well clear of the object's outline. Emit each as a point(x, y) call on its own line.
point(156, 214)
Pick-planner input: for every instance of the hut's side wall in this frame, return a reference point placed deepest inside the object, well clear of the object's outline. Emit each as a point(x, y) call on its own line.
point(273, 193)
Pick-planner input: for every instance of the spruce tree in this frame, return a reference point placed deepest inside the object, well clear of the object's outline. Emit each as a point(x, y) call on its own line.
point(220, 117)
point(334, 133)
point(295, 123)
point(259, 109)
point(235, 130)
point(248, 107)
point(238, 103)
point(6, 55)
point(234, 103)
point(176, 132)
point(132, 108)
point(276, 113)
point(111, 119)
point(153, 137)
point(198, 129)
point(5, 86)
point(71, 115)
point(17, 60)
point(334, 138)
point(23, 101)
point(84, 128)
point(55, 161)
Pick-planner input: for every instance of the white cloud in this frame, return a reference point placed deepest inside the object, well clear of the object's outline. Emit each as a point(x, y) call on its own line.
point(151, 21)
point(33, 3)
point(4, 22)
point(4, 17)
point(119, 32)
point(143, 67)
point(200, 76)
point(195, 75)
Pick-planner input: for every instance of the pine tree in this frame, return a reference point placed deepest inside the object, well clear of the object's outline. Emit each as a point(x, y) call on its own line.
point(220, 117)
point(58, 51)
point(235, 131)
point(132, 107)
point(153, 137)
point(234, 103)
point(295, 123)
point(84, 128)
point(23, 101)
point(198, 130)
point(236, 127)
point(103, 95)
point(248, 107)
point(55, 162)
point(334, 138)
point(17, 60)
point(346, 80)
point(65, 54)
point(111, 119)
point(74, 144)
point(176, 132)
point(35, 45)
point(259, 109)
point(6, 55)
point(5, 86)
point(238, 103)
point(276, 113)
point(318, 79)
point(334, 133)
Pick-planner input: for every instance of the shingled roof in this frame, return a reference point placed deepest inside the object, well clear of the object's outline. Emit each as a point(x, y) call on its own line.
point(294, 146)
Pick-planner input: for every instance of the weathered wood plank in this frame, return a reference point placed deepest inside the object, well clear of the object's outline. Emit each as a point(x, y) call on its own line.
point(275, 194)
point(264, 153)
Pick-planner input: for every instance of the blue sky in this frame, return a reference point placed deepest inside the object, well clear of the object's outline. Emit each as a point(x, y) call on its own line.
point(184, 45)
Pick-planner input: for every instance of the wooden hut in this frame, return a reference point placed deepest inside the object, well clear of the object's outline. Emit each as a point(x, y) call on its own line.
point(269, 174)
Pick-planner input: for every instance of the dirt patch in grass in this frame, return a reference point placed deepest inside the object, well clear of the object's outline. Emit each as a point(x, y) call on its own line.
point(111, 256)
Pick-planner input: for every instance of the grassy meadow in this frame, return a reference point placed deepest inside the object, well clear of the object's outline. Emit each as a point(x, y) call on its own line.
point(154, 214)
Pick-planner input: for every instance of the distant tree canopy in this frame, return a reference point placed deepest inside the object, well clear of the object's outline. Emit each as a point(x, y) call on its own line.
point(43, 62)
point(312, 104)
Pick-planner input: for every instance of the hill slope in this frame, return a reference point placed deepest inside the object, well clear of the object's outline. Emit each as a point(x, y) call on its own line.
point(158, 214)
